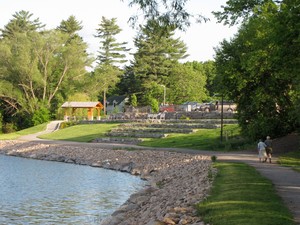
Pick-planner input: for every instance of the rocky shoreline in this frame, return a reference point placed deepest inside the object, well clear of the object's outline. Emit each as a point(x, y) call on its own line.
point(176, 181)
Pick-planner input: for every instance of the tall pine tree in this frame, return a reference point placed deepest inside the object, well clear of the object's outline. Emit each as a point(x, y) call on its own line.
point(111, 54)
point(154, 60)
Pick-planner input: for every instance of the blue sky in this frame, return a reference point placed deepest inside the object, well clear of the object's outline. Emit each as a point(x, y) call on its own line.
point(199, 38)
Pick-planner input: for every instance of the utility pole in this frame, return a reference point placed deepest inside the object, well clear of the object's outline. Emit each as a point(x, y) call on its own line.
point(222, 117)
point(164, 93)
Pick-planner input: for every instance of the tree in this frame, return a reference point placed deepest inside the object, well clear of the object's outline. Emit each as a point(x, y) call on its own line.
point(71, 27)
point(157, 52)
point(133, 100)
point(37, 68)
point(236, 11)
point(106, 77)
point(167, 12)
point(186, 84)
point(251, 71)
point(128, 84)
point(111, 52)
point(288, 41)
point(209, 70)
point(21, 23)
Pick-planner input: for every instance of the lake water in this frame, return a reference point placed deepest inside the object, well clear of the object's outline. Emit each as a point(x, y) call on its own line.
point(43, 192)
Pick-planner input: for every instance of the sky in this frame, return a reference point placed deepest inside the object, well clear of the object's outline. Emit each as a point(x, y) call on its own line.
point(201, 39)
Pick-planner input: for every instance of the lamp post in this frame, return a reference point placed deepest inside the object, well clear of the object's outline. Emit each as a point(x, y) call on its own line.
point(222, 116)
point(164, 93)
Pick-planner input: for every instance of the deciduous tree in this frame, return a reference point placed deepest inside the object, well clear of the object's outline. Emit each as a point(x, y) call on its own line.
point(253, 70)
point(38, 68)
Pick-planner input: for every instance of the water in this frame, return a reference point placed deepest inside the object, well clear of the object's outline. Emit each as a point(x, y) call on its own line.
point(42, 192)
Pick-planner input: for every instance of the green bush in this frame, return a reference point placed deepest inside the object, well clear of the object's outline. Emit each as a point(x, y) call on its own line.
point(184, 117)
point(133, 100)
point(67, 124)
point(9, 128)
point(41, 116)
point(154, 105)
point(213, 158)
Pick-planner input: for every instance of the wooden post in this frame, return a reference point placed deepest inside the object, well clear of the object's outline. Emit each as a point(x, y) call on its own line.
point(104, 102)
point(90, 113)
point(98, 113)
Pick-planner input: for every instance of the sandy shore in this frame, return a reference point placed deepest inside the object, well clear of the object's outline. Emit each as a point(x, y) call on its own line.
point(176, 181)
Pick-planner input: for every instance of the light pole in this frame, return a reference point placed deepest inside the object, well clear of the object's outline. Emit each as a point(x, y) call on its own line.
point(164, 93)
point(222, 116)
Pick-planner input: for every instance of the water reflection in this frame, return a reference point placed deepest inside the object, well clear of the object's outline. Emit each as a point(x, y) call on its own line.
point(41, 192)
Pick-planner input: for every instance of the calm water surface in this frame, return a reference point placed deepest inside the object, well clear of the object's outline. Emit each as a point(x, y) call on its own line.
point(42, 192)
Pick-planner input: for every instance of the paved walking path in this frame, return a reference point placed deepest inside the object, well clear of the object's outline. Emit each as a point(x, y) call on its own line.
point(286, 181)
point(51, 127)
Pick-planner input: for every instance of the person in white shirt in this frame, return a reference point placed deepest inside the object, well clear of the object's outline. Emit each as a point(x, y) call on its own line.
point(261, 147)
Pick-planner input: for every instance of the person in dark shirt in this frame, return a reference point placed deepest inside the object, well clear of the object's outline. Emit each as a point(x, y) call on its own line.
point(269, 149)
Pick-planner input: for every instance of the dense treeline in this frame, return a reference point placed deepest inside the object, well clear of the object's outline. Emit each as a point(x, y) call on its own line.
point(40, 69)
point(258, 68)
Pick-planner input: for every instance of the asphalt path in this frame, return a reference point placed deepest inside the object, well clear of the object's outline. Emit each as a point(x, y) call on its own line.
point(285, 180)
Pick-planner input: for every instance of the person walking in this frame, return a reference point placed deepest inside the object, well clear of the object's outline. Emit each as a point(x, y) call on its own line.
point(261, 147)
point(269, 149)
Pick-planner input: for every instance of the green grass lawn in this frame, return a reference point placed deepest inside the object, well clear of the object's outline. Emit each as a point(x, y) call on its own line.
point(80, 133)
point(291, 159)
point(31, 130)
point(241, 196)
point(203, 139)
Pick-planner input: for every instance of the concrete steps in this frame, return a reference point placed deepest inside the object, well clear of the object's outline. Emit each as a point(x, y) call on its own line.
point(171, 125)
point(135, 132)
point(153, 130)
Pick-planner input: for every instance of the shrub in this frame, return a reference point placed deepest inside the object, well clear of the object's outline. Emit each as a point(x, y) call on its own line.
point(154, 105)
point(9, 128)
point(213, 158)
point(40, 116)
point(184, 117)
point(67, 124)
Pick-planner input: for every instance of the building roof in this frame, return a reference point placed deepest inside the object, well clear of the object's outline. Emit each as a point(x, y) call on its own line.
point(190, 103)
point(115, 99)
point(82, 105)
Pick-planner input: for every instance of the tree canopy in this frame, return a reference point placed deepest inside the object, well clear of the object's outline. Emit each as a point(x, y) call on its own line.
point(21, 23)
point(111, 52)
point(37, 69)
point(259, 67)
point(166, 13)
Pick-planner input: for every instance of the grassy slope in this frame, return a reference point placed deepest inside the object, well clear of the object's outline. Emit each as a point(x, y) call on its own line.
point(240, 195)
point(27, 131)
point(291, 159)
point(80, 133)
point(203, 139)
